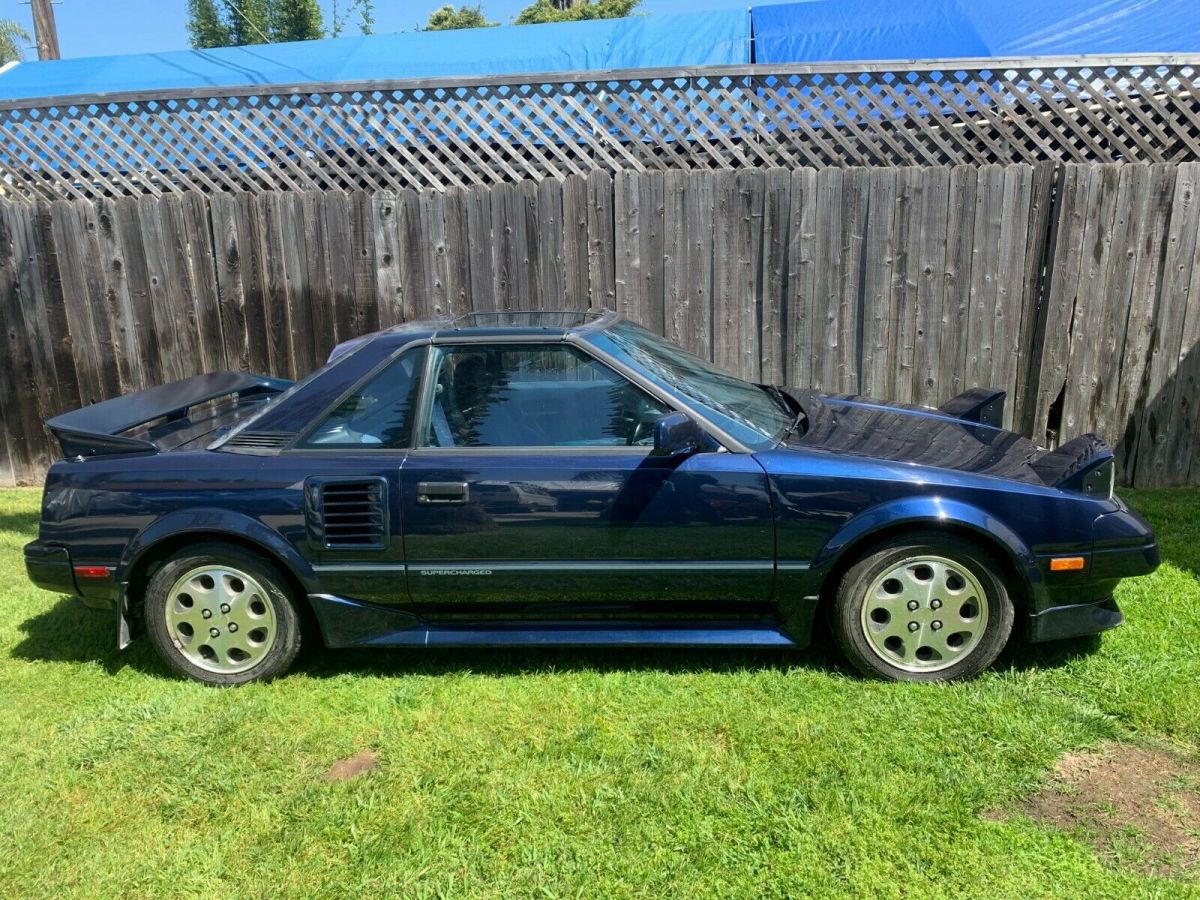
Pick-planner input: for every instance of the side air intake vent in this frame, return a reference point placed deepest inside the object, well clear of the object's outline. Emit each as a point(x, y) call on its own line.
point(348, 514)
point(257, 441)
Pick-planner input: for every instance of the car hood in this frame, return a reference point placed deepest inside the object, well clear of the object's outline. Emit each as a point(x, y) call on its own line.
point(912, 434)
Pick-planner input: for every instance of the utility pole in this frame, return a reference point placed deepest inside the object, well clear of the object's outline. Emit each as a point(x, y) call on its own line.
point(44, 29)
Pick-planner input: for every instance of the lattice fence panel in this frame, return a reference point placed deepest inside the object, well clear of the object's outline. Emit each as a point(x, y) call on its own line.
point(462, 133)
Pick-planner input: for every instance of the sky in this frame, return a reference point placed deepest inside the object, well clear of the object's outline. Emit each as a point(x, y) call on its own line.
point(106, 27)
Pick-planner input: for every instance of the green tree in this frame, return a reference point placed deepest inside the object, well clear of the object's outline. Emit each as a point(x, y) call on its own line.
point(235, 23)
point(449, 18)
point(295, 20)
point(12, 38)
point(366, 17)
point(541, 11)
point(205, 26)
point(249, 21)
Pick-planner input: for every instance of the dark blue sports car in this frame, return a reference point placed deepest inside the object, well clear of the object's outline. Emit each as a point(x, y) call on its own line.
point(566, 478)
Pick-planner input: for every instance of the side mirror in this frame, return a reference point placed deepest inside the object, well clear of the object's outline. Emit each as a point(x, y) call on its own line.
point(675, 435)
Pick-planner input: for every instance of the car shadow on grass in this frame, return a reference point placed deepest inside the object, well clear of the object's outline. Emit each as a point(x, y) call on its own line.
point(505, 661)
point(20, 523)
point(69, 632)
point(1021, 655)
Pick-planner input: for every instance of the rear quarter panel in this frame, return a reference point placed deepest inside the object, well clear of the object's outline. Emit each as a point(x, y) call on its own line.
point(109, 509)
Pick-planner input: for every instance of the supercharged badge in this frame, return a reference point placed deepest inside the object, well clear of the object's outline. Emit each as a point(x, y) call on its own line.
point(455, 571)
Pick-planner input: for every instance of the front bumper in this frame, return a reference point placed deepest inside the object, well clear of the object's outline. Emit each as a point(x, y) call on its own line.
point(50, 568)
point(1075, 620)
point(1081, 602)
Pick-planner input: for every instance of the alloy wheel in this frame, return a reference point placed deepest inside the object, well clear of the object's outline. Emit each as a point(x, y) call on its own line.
point(221, 619)
point(924, 614)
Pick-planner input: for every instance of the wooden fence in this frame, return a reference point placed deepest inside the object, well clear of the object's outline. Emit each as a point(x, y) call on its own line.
point(1075, 287)
point(477, 131)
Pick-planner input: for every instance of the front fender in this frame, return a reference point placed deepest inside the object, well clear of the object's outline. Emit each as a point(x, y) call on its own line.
point(931, 511)
point(213, 521)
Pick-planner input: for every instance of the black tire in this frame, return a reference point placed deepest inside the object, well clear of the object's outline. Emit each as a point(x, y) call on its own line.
point(902, 636)
point(264, 587)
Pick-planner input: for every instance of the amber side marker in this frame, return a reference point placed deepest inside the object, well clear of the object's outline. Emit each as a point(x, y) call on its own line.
point(1066, 564)
point(91, 571)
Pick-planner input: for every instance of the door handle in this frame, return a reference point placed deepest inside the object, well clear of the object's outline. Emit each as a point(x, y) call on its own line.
point(442, 492)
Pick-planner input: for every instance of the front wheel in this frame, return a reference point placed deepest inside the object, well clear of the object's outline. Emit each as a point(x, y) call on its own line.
point(925, 607)
point(220, 614)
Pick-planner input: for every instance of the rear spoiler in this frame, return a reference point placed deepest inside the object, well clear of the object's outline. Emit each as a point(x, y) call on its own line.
point(98, 429)
point(982, 405)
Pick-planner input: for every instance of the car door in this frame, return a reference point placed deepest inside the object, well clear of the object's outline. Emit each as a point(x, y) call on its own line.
point(531, 480)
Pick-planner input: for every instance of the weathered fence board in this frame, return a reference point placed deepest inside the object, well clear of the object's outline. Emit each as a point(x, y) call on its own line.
point(1076, 288)
point(931, 287)
point(1153, 213)
point(876, 376)
point(773, 325)
point(798, 299)
point(956, 298)
point(1160, 418)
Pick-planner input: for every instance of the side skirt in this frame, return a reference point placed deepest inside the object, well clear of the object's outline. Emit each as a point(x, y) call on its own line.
point(350, 623)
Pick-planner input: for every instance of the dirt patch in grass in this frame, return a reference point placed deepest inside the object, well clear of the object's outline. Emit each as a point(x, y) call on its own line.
point(352, 766)
point(1139, 807)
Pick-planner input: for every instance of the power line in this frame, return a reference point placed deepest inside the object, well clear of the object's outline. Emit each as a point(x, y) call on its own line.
point(237, 9)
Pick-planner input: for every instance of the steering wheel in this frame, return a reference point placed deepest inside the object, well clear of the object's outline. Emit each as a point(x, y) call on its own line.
point(642, 421)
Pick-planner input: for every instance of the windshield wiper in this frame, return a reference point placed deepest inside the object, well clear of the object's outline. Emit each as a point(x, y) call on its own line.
point(791, 405)
point(780, 397)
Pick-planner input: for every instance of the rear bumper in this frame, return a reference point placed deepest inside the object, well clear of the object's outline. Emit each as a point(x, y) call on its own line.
point(50, 568)
point(1075, 620)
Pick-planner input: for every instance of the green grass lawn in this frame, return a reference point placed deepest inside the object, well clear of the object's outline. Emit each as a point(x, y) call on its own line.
point(564, 773)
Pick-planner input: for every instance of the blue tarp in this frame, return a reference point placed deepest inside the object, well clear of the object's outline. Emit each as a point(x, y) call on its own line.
point(711, 38)
point(836, 30)
point(813, 31)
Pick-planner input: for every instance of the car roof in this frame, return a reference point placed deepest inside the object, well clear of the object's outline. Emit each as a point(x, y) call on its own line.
point(513, 323)
point(506, 324)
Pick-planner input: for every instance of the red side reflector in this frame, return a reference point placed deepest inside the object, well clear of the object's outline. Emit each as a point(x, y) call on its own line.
point(91, 571)
point(1066, 564)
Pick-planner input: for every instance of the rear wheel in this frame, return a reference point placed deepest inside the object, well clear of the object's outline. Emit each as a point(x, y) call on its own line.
point(222, 615)
point(926, 607)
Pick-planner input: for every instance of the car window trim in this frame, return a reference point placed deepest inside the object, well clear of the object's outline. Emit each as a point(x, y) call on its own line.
point(422, 420)
point(544, 450)
point(425, 397)
point(297, 444)
point(680, 404)
point(277, 401)
point(575, 339)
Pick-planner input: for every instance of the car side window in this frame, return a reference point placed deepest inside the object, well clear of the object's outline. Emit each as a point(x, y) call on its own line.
point(379, 413)
point(534, 395)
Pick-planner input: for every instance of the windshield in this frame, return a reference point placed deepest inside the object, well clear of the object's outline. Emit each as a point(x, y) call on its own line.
point(746, 411)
